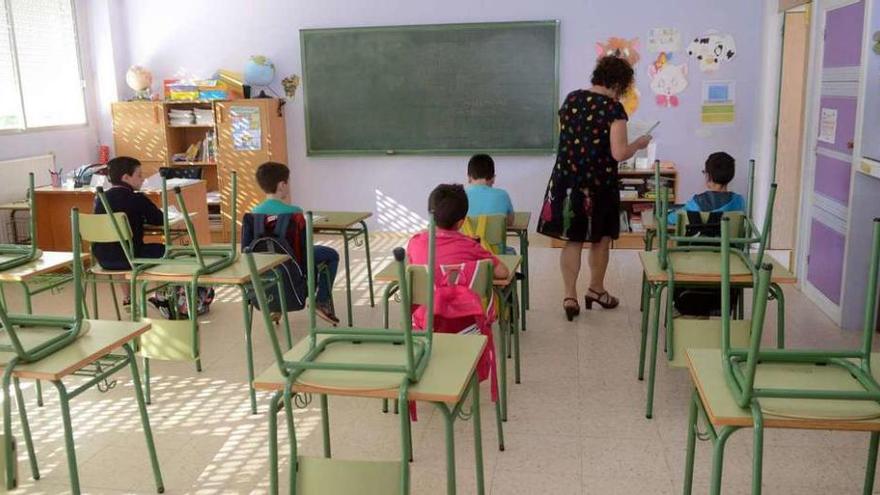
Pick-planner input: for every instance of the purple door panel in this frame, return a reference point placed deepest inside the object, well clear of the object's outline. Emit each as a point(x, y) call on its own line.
point(846, 122)
point(833, 178)
point(843, 36)
point(825, 264)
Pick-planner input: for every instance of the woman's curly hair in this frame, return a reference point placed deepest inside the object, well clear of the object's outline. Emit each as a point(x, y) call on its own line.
point(613, 73)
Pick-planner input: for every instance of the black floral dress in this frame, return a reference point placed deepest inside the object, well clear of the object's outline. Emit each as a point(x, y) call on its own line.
point(582, 202)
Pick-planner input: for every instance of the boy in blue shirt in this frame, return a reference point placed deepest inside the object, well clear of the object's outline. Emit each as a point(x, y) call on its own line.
point(719, 171)
point(483, 199)
point(274, 180)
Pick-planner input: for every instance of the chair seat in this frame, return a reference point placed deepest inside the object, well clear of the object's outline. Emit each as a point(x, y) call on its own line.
point(5, 257)
point(808, 376)
point(707, 374)
point(357, 354)
point(691, 333)
point(175, 269)
point(31, 337)
point(704, 263)
point(321, 476)
point(99, 270)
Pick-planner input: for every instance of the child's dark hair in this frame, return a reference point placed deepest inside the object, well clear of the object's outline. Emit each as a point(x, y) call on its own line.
point(270, 174)
point(720, 168)
point(120, 166)
point(613, 73)
point(449, 204)
point(481, 166)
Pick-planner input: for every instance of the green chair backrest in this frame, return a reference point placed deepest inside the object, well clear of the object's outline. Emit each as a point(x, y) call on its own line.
point(13, 255)
point(98, 227)
point(740, 365)
point(490, 229)
point(737, 222)
point(68, 328)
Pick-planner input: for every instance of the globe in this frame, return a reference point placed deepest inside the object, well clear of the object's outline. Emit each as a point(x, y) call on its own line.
point(138, 78)
point(259, 71)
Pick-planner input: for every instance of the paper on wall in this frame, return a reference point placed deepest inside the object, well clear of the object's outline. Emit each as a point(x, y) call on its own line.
point(667, 81)
point(627, 49)
point(246, 128)
point(712, 49)
point(828, 125)
point(718, 103)
point(664, 39)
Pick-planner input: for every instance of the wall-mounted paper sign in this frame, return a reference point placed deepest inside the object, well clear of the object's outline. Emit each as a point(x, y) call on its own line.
point(662, 39)
point(828, 125)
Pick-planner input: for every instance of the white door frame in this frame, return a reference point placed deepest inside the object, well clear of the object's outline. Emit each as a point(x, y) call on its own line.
point(811, 123)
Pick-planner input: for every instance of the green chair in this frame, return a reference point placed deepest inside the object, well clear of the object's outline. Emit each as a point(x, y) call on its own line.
point(696, 258)
point(100, 228)
point(352, 358)
point(28, 341)
point(13, 255)
point(784, 388)
point(492, 232)
point(173, 339)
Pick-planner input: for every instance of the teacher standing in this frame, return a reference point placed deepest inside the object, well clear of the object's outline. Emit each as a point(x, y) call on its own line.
point(582, 203)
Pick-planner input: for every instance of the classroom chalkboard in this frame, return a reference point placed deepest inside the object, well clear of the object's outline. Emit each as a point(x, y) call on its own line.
point(431, 89)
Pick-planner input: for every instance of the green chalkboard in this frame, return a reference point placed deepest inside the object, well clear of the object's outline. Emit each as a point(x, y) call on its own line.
point(433, 89)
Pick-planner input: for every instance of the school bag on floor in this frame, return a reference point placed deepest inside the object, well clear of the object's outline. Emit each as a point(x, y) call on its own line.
point(281, 234)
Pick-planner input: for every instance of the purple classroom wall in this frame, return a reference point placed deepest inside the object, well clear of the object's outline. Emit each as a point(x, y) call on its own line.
point(825, 265)
point(167, 44)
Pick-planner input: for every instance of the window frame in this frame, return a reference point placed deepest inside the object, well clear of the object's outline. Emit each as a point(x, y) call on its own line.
point(15, 71)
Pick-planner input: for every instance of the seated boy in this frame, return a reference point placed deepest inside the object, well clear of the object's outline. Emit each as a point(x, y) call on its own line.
point(126, 178)
point(273, 179)
point(719, 171)
point(483, 198)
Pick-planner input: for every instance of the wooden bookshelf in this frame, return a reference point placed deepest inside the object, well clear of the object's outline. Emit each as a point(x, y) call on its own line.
point(143, 130)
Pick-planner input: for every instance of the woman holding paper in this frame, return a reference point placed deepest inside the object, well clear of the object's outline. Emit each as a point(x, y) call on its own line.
point(582, 202)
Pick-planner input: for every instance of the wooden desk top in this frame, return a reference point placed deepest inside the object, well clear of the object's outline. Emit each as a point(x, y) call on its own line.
point(235, 274)
point(521, 221)
point(453, 360)
point(102, 338)
point(15, 206)
point(336, 220)
point(704, 266)
point(511, 261)
point(91, 190)
point(50, 261)
point(704, 366)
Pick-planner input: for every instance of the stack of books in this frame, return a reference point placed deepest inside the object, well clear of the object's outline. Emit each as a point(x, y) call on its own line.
point(181, 117)
point(203, 116)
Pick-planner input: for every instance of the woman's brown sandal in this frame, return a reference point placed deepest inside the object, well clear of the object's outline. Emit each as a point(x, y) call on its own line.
point(571, 310)
point(603, 298)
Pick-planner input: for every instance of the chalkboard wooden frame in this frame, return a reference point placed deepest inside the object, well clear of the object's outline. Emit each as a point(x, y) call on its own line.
point(552, 132)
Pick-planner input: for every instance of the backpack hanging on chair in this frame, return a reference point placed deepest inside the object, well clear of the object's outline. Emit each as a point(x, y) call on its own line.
point(281, 234)
point(696, 301)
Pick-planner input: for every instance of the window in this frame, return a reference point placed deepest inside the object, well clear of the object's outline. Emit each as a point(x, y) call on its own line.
point(40, 77)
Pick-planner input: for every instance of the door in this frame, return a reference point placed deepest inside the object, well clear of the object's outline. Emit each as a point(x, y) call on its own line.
point(833, 143)
point(790, 128)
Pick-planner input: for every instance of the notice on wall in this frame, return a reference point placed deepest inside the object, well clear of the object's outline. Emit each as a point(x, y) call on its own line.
point(828, 125)
point(718, 103)
point(662, 39)
point(246, 128)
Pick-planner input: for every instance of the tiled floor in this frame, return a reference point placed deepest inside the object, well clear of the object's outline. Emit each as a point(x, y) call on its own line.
point(576, 426)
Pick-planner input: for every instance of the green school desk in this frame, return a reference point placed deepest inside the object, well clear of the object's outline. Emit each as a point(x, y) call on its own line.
point(695, 267)
point(36, 277)
point(715, 404)
point(512, 262)
point(236, 275)
point(451, 371)
point(350, 225)
point(102, 338)
point(520, 228)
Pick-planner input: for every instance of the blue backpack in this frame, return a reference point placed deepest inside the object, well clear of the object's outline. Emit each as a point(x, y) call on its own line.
point(282, 234)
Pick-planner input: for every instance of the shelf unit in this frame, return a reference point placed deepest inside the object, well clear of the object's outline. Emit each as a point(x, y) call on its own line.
point(142, 129)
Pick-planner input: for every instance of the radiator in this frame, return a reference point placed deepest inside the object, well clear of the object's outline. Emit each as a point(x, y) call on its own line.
point(13, 187)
